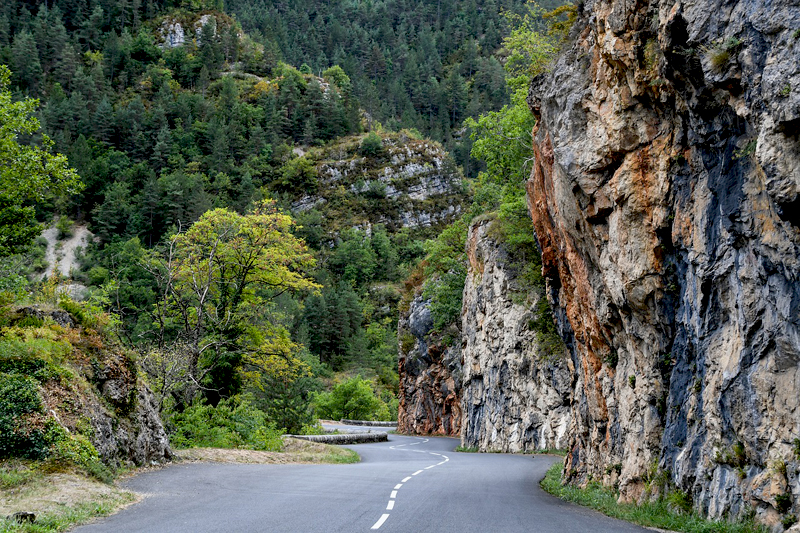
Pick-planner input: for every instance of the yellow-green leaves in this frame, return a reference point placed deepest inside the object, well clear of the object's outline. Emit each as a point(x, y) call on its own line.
point(218, 281)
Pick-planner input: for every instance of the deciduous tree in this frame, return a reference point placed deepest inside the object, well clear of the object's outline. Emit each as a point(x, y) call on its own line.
point(27, 173)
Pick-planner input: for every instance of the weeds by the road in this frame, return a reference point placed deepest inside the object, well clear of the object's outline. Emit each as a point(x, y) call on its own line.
point(467, 449)
point(294, 451)
point(341, 456)
point(652, 514)
point(58, 500)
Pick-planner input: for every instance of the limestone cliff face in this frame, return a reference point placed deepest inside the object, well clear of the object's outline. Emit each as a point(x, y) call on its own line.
point(665, 197)
point(515, 395)
point(430, 376)
point(408, 183)
point(494, 386)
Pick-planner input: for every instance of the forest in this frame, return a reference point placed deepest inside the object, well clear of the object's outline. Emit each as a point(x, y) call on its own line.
point(203, 145)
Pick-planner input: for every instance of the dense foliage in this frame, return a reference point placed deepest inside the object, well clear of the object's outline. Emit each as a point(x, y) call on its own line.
point(194, 140)
point(27, 173)
point(39, 359)
point(233, 423)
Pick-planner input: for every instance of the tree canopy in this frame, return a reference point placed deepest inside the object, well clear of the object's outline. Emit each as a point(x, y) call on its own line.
point(216, 284)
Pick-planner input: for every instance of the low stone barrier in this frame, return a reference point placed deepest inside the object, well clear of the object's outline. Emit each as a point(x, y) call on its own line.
point(369, 423)
point(344, 438)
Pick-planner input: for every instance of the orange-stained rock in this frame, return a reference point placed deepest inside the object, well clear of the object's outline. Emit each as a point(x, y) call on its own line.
point(665, 197)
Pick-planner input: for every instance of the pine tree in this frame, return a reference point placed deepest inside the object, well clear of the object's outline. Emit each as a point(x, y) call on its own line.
point(27, 69)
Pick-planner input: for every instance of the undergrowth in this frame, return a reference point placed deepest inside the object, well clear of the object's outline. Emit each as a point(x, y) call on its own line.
point(657, 513)
point(233, 423)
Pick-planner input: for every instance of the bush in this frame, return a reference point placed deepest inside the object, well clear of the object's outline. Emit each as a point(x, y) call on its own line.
point(22, 428)
point(353, 399)
point(233, 423)
point(34, 357)
point(297, 176)
point(371, 145)
point(64, 227)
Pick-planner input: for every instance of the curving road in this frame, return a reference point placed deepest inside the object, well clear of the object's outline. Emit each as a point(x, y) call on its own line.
point(409, 484)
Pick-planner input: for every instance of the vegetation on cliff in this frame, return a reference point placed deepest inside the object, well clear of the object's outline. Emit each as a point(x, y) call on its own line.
point(502, 141)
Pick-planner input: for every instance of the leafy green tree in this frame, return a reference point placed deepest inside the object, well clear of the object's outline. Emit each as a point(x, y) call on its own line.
point(352, 399)
point(28, 174)
point(216, 284)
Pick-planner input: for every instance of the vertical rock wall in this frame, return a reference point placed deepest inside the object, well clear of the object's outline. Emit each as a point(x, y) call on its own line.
point(430, 376)
point(666, 199)
point(494, 386)
point(515, 396)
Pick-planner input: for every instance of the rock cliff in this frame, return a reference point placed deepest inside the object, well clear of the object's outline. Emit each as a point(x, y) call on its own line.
point(430, 376)
point(83, 381)
point(665, 197)
point(406, 183)
point(488, 380)
point(515, 394)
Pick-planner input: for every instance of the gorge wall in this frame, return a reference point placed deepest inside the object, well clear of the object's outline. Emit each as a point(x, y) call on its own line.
point(430, 376)
point(494, 386)
point(665, 198)
point(515, 394)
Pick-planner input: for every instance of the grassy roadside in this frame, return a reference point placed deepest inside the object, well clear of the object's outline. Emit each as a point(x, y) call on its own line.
point(61, 500)
point(293, 451)
point(661, 513)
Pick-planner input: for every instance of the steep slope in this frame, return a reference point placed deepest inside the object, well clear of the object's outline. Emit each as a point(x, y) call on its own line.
point(430, 375)
point(72, 393)
point(401, 181)
point(493, 380)
point(665, 199)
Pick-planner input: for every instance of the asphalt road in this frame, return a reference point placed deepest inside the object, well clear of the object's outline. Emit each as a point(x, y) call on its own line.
point(408, 484)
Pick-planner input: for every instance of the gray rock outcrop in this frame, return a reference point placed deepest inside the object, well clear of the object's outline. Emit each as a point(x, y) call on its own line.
point(430, 376)
point(665, 197)
point(515, 395)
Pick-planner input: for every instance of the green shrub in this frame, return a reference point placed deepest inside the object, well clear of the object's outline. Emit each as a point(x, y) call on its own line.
point(233, 423)
point(89, 314)
point(64, 227)
point(37, 358)
point(297, 176)
point(312, 429)
point(75, 449)
point(352, 399)
point(679, 501)
point(783, 502)
point(267, 438)
point(97, 275)
point(371, 145)
point(21, 433)
point(406, 342)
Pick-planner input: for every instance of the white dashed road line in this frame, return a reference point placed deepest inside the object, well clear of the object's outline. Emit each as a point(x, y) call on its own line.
point(380, 521)
point(393, 496)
